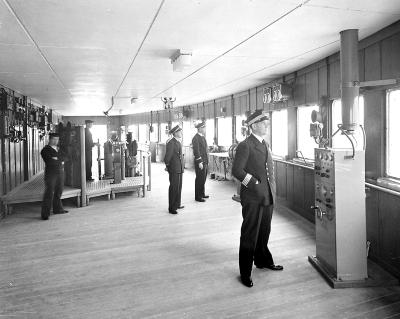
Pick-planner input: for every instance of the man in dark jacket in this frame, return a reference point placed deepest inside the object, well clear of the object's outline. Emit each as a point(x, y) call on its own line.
point(88, 149)
point(174, 165)
point(200, 152)
point(53, 178)
point(253, 167)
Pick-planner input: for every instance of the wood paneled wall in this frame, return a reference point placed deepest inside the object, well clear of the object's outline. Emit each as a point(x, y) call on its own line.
point(20, 161)
point(378, 59)
point(12, 165)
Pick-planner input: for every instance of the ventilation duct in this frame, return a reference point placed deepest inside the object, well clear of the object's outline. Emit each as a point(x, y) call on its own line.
point(349, 79)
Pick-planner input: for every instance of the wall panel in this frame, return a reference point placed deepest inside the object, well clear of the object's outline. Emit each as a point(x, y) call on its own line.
point(253, 99)
point(209, 110)
point(300, 90)
point(374, 121)
point(323, 81)
point(12, 164)
point(312, 87)
point(334, 80)
point(372, 63)
point(391, 57)
point(361, 65)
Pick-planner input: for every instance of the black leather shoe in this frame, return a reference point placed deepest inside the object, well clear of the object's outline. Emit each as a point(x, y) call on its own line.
point(206, 196)
point(45, 216)
point(272, 267)
point(90, 180)
point(60, 212)
point(173, 212)
point(200, 200)
point(180, 207)
point(247, 281)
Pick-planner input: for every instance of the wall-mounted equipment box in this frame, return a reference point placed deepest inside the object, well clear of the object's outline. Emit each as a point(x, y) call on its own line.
point(281, 92)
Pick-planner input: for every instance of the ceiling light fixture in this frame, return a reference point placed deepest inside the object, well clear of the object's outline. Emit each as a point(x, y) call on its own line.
point(181, 60)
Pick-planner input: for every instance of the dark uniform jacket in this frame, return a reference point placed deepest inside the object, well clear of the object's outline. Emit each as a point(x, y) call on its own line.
point(253, 163)
point(200, 149)
point(173, 156)
point(54, 160)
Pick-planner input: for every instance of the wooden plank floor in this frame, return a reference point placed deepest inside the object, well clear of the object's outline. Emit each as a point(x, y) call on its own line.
point(129, 258)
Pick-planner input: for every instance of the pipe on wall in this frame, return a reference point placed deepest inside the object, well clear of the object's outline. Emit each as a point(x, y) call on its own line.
point(349, 76)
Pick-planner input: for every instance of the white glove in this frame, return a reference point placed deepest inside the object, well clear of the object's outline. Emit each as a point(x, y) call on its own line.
point(201, 166)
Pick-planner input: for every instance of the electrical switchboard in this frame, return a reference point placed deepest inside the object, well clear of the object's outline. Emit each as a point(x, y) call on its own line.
point(340, 214)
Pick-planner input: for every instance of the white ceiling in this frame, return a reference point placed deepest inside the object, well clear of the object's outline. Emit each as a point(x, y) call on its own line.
point(74, 55)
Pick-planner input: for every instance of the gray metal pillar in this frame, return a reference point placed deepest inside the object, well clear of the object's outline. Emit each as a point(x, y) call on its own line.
point(83, 166)
point(349, 79)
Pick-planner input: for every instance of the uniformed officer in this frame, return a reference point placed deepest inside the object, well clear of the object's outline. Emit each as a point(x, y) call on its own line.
point(53, 177)
point(88, 149)
point(174, 165)
point(253, 167)
point(200, 152)
point(130, 155)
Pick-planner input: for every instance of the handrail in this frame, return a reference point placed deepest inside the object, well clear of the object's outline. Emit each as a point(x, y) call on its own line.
point(380, 188)
point(383, 189)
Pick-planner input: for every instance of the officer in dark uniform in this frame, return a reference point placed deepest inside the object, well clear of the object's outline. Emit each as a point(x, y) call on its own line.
point(53, 177)
point(174, 165)
point(88, 149)
point(253, 167)
point(200, 152)
point(130, 155)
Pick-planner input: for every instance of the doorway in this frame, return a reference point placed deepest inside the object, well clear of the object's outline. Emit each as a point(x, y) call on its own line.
point(99, 134)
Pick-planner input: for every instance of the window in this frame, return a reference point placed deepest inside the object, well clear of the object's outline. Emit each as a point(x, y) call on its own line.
point(188, 132)
point(238, 134)
point(154, 134)
point(279, 124)
point(225, 131)
point(392, 134)
point(143, 137)
point(305, 143)
point(134, 130)
point(210, 131)
point(339, 140)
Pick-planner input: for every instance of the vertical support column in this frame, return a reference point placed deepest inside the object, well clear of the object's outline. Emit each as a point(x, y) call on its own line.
point(83, 165)
point(25, 142)
point(233, 120)
point(149, 170)
point(349, 78)
point(144, 174)
point(122, 162)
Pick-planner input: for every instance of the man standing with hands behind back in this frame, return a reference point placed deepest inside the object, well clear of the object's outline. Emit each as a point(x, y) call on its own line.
point(253, 167)
point(174, 165)
point(53, 177)
point(200, 152)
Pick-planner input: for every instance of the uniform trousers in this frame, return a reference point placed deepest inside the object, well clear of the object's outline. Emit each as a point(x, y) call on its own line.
point(54, 185)
point(175, 190)
point(201, 177)
point(255, 231)
point(88, 159)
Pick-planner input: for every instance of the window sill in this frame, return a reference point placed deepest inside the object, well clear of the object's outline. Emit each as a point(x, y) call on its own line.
point(389, 183)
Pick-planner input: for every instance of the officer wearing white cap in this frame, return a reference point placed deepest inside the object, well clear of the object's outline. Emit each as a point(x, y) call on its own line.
point(253, 167)
point(200, 153)
point(174, 165)
point(53, 177)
